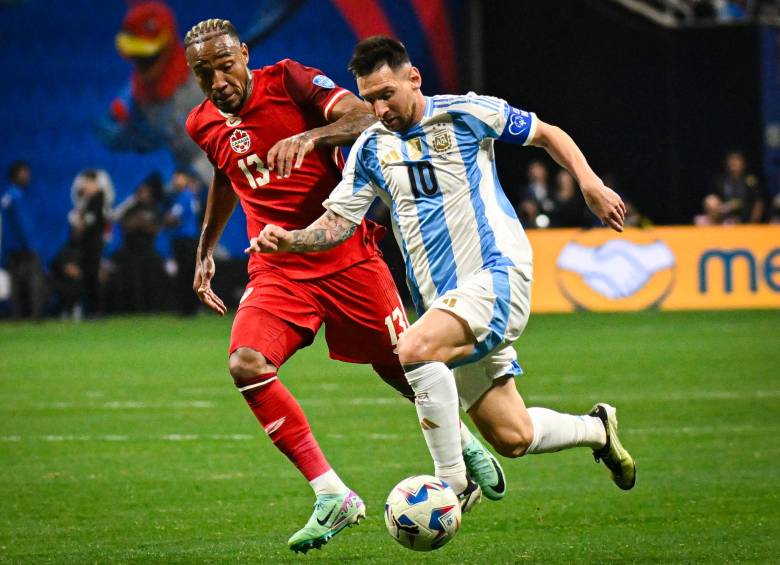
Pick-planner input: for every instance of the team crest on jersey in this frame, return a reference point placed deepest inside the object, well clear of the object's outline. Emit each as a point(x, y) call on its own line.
point(323, 82)
point(233, 121)
point(240, 141)
point(442, 141)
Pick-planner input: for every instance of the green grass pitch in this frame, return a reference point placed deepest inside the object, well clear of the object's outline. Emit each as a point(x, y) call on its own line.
point(125, 441)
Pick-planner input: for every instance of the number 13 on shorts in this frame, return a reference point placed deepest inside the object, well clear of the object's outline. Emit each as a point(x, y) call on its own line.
point(396, 324)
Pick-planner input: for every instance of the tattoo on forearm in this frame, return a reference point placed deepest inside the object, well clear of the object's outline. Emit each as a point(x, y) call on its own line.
point(346, 129)
point(327, 232)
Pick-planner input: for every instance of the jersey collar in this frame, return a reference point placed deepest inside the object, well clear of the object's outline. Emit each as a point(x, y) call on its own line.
point(417, 129)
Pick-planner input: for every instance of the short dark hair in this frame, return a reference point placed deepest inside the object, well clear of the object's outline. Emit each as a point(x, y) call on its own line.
point(90, 174)
point(208, 29)
point(376, 51)
point(16, 167)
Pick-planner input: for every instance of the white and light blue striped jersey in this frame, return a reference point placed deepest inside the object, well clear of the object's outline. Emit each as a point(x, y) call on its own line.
point(449, 213)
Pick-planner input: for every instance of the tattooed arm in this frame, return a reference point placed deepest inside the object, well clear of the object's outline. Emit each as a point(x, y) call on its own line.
point(327, 232)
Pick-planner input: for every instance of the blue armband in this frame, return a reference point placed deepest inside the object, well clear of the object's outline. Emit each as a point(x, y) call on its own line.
point(520, 126)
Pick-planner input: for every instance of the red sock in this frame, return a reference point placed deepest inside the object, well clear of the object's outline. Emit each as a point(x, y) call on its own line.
point(284, 422)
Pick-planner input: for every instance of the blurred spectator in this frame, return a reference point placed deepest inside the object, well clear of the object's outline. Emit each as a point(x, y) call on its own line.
point(568, 210)
point(712, 212)
point(634, 218)
point(182, 219)
point(740, 194)
point(93, 194)
point(67, 280)
point(18, 246)
point(150, 113)
point(727, 11)
point(140, 278)
point(536, 200)
point(774, 210)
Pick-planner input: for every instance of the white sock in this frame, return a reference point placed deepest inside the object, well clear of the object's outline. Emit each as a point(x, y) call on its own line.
point(436, 401)
point(554, 431)
point(465, 436)
point(328, 483)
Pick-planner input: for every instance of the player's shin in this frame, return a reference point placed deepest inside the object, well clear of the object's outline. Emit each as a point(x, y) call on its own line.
point(285, 424)
point(436, 401)
point(554, 431)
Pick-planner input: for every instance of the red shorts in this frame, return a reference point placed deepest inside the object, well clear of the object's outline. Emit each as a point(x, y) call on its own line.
point(360, 307)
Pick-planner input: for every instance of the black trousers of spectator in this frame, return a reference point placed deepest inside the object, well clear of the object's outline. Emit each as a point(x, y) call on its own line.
point(91, 250)
point(184, 252)
point(28, 285)
point(141, 281)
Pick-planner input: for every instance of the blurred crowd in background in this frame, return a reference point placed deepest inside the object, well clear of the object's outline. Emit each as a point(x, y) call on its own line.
point(137, 253)
point(113, 261)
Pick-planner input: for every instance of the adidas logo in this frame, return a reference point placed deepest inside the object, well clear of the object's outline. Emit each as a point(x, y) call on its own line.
point(427, 424)
point(275, 425)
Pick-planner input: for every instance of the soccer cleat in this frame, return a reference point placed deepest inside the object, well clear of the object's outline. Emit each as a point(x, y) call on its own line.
point(332, 513)
point(471, 496)
point(621, 465)
point(484, 468)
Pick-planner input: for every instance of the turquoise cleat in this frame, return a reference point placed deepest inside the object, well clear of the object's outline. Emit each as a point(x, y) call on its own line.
point(332, 513)
point(484, 469)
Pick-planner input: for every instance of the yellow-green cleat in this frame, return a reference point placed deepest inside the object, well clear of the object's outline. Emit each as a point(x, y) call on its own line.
point(332, 513)
point(618, 461)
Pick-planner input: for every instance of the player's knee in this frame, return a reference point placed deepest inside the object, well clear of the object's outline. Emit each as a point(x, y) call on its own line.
point(246, 364)
point(415, 347)
point(510, 442)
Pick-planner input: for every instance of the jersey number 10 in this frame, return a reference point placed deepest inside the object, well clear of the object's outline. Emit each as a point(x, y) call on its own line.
point(422, 178)
point(254, 160)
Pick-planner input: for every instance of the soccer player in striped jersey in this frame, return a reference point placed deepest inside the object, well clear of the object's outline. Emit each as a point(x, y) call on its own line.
point(468, 261)
point(271, 135)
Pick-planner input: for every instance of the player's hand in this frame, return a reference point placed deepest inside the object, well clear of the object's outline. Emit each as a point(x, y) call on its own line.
point(204, 272)
point(606, 204)
point(272, 239)
point(289, 153)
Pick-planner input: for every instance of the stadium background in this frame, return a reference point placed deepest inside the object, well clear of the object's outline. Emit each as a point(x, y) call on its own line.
point(123, 440)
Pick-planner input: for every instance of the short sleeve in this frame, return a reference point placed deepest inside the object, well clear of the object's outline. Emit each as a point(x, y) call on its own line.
point(520, 126)
point(308, 86)
point(353, 196)
point(490, 117)
point(195, 131)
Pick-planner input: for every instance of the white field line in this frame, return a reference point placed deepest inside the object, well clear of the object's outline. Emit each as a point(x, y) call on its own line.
point(391, 399)
point(661, 430)
point(534, 399)
point(127, 405)
point(662, 397)
point(111, 437)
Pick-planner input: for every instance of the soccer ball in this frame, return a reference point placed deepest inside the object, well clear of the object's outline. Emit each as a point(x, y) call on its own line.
point(422, 513)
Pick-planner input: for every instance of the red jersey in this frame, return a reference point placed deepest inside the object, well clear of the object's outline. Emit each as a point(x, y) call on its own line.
point(287, 99)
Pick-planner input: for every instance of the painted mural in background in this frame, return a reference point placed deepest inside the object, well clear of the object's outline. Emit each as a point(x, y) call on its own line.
point(86, 96)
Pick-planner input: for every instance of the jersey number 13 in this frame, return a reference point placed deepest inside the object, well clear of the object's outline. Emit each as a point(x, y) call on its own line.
point(264, 174)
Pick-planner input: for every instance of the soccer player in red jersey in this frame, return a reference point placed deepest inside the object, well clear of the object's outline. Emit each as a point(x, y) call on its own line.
point(256, 127)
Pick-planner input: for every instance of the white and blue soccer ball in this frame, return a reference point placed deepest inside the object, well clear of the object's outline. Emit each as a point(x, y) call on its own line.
point(422, 513)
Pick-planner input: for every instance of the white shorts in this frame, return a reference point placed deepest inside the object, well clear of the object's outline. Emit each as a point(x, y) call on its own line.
point(495, 303)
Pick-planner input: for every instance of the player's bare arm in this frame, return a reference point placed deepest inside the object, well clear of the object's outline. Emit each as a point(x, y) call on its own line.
point(219, 207)
point(327, 232)
point(602, 200)
point(350, 116)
